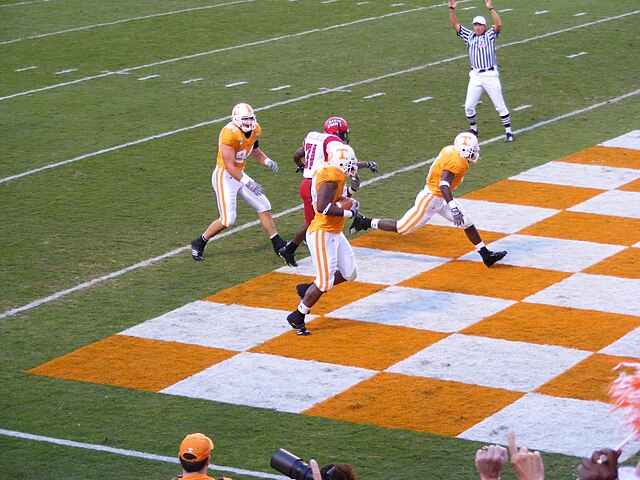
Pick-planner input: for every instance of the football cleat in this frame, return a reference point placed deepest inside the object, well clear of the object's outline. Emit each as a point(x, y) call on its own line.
point(358, 224)
point(289, 258)
point(296, 320)
point(197, 249)
point(508, 137)
point(301, 289)
point(493, 257)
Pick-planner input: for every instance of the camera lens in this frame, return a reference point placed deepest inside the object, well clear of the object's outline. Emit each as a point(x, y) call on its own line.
point(290, 465)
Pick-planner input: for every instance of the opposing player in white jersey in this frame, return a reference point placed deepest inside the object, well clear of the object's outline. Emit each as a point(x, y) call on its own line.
point(484, 68)
point(308, 158)
point(331, 252)
point(445, 174)
point(238, 139)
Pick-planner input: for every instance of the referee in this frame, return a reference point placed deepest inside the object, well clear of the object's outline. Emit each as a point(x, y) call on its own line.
point(484, 68)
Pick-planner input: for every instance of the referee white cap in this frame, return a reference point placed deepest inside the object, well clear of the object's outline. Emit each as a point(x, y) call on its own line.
point(479, 19)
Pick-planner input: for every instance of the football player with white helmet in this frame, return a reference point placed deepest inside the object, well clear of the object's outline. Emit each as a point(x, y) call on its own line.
point(238, 139)
point(331, 252)
point(308, 158)
point(446, 173)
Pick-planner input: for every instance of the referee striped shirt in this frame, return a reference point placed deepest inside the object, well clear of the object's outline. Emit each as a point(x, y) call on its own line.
point(482, 48)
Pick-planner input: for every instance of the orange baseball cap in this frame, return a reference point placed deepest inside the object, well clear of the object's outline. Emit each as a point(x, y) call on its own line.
point(195, 448)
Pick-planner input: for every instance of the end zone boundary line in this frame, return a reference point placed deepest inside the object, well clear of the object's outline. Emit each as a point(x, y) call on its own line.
point(129, 453)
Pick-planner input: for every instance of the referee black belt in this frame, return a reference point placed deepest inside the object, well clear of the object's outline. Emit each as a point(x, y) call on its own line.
point(482, 70)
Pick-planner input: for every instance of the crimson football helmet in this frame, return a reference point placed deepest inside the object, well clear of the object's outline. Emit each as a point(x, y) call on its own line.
point(244, 117)
point(466, 144)
point(337, 126)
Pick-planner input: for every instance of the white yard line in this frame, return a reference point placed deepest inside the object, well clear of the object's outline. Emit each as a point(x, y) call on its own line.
point(22, 3)
point(218, 50)
point(116, 22)
point(180, 250)
point(286, 102)
point(129, 453)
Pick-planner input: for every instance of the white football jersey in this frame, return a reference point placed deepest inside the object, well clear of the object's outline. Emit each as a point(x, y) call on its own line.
point(315, 151)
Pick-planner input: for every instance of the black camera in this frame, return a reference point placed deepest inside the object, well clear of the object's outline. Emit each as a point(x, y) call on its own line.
point(290, 465)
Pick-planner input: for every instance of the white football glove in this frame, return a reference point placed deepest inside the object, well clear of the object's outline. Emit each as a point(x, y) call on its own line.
point(458, 218)
point(254, 187)
point(272, 165)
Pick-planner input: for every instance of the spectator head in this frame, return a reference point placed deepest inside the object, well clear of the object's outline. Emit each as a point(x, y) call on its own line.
point(195, 451)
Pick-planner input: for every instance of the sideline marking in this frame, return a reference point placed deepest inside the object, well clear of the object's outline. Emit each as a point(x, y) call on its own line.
point(226, 233)
point(323, 91)
point(115, 22)
point(129, 453)
point(218, 50)
point(22, 3)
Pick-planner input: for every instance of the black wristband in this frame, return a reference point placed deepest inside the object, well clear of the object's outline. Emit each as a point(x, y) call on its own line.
point(490, 9)
point(451, 8)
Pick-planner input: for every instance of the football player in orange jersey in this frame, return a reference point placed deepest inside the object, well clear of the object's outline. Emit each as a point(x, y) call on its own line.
point(331, 252)
point(444, 176)
point(238, 139)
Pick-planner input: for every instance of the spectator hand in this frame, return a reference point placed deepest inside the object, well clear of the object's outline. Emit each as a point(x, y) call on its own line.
point(490, 461)
point(602, 465)
point(315, 469)
point(373, 166)
point(453, 3)
point(527, 465)
point(254, 187)
point(272, 165)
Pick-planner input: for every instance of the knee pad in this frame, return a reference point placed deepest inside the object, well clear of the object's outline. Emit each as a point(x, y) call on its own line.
point(231, 219)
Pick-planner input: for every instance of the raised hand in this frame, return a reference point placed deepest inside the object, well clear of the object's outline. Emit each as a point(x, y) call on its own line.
point(490, 460)
point(527, 465)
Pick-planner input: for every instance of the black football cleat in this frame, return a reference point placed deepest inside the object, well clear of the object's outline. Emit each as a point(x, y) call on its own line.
point(358, 224)
point(296, 320)
point(197, 249)
point(289, 258)
point(508, 137)
point(493, 257)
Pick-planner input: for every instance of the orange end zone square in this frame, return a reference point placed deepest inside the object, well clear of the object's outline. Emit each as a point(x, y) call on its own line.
point(588, 380)
point(422, 404)
point(278, 291)
point(544, 324)
point(589, 227)
point(473, 278)
point(607, 156)
point(631, 186)
point(532, 194)
point(624, 264)
point(133, 362)
point(352, 343)
point(447, 242)
point(273, 290)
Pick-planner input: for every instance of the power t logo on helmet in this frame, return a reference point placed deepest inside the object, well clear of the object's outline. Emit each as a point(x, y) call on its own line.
point(466, 144)
point(244, 117)
point(337, 126)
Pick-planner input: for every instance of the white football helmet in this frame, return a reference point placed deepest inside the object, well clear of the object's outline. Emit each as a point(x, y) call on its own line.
point(244, 117)
point(466, 144)
point(343, 157)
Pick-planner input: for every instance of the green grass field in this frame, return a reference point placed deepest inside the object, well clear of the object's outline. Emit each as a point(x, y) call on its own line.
point(120, 197)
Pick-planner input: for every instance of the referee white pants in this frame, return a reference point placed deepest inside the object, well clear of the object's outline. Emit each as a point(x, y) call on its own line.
point(425, 207)
point(330, 253)
point(489, 82)
point(228, 189)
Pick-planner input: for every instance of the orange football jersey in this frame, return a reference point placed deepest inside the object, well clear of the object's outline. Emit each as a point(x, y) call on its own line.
point(232, 136)
point(448, 159)
point(327, 223)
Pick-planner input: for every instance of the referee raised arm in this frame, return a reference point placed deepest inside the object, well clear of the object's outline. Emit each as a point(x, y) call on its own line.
point(484, 73)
